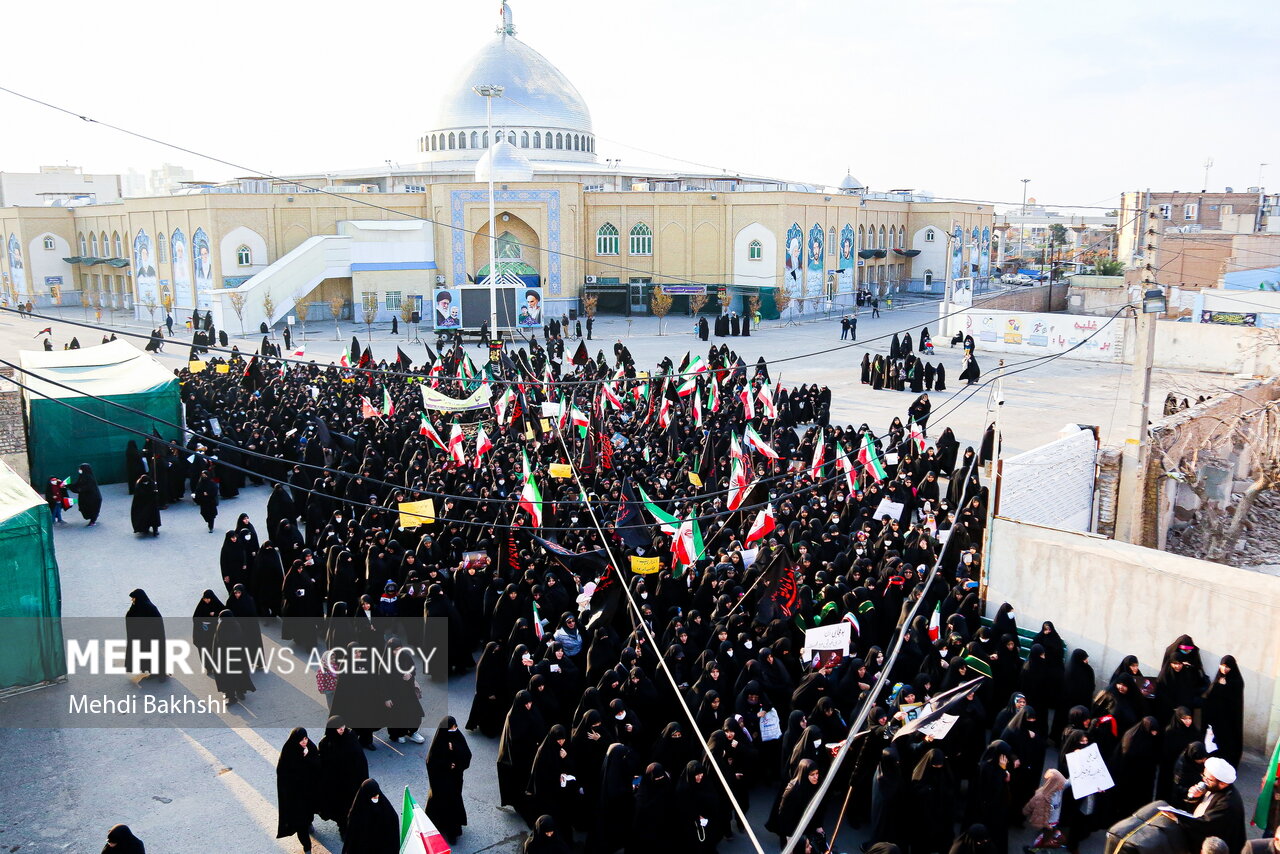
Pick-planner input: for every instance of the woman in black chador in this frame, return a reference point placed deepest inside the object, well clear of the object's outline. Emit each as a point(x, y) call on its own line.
point(86, 486)
point(448, 758)
point(145, 510)
point(230, 655)
point(297, 787)
point(372, 824)
point(343, 767)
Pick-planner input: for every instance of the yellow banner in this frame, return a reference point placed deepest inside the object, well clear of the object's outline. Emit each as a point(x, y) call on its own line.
point(196, 366)
point(560, 470)
point(645, 565)
point(222, 369)
point(695, 479)
point(415, 513)
point(432, 399)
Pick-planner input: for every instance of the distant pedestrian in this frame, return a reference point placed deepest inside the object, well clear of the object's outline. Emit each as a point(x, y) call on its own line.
point(590, 322)
point(298, 787)
point(395, 326)
point(844, 328)
point(875, 306)
point(853, 328)
point(89, 496)
point(55, 495)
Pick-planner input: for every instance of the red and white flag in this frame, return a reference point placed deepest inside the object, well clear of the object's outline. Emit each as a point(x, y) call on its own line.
point(935, 622)
point(455, 445)
point(762, 526)
point(757, 444)
point(430, 432)
point(739, 486)
point(483, 445)
point(819, 456)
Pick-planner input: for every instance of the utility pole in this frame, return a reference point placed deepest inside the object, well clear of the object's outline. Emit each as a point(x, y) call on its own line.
point(996, 474)
point(944, 322)
point(1135, 456)
point(490, 91)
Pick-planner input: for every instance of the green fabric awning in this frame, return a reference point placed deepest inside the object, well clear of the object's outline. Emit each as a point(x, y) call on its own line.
point(89, 260)
point(118, 262)
point(74, 259)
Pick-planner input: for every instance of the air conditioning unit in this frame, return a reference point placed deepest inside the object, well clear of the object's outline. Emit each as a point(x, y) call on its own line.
point(591, 280)
point(439, 280)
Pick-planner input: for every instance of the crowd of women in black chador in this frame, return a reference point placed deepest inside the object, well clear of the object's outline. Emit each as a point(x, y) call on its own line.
point(594, 745)
point(901, 369)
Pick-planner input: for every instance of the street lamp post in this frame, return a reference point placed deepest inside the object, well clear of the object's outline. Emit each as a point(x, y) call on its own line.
point(489, 91)
point(1022, 227)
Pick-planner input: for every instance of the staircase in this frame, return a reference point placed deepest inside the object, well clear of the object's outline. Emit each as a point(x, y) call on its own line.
point(289, 279)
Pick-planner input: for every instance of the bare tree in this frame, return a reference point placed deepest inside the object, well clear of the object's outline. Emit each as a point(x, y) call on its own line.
point(726, 300)
point(753, 305)
point(269, 309)
point(237, 300)
point(407, 307)
point(589, 303)
point(370, 315)
point(660, 304)
point(1254, 434)
point(336, 305)
point(696, 303)
point(150, 305)
point(300, 308)
point(781, 300)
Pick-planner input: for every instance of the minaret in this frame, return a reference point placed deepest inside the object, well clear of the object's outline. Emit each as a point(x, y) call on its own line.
point(506, 28)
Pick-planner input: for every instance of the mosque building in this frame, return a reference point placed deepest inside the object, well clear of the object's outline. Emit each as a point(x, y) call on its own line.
point(375, 242)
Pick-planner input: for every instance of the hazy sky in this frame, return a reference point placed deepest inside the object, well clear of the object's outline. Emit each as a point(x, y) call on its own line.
point(959, 98)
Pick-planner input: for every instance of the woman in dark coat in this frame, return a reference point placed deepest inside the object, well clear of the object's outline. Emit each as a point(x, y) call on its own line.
point(145, 509)
point(549, 792)
point(134, 465)
point(143, 626)
point(545, 836)
point(297, 787)
point(932, 793)
point(120, 840)
point(491, 679)
point(1224, 710)
point(616, 808)
point(343, 767)
point(1177, 736)
point(230, 657)
point(245, 608)
point(989, 797)
point(233, 561)
point(448, 758)
point(521, 734)
point(205, 494)
point(86, 486)
point(372, 824)
point(204, 620)
point(866, 369)
point(655, 816)
point(793, 801)
point(1134, 764)
point(266, 580)
point(1078, 687)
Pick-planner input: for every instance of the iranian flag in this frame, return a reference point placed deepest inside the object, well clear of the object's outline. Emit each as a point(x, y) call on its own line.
point(664, 413)
point(757, 444)
point(530, 495)
point(388, 408)
point(748, 407)
point(611, 396)
point(713, 395)
point(417, 834)
point(765, 396)
point(696, 366)
point(301, 352)
point(819, 456)
point(580, 420)
point(367, 409)
point(688, 385)
point(739, 486)
point(345, 359)
point(666, 522)
point(504, 405)
point(456, 450)
point(735, 450)
point(425, 429)
point(935, 622)
point(844, 465)
point(538, 630)
point(687, 547)
point(917, 437)
point(697, 409)
point(762, 526)
point(483, 445)
point(870, 459)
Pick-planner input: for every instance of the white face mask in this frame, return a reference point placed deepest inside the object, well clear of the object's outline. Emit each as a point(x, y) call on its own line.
point(747, 644)
point(375, 798)
point(620, 715)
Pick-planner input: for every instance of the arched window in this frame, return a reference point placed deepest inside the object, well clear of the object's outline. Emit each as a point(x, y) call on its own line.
point(443, 142)
point(244, 257)
point(498, 136)
point(48, 243)
point(883, 241)
point(862, 238)
point(162, 249)
point(902, 237)
point(524, 139)
point(560, 140)
point(928, 279)
point(475, 140)
point(755, 250)
point(117, 245)
point(84, 247)
point(93, 245)
point(462, 139)
point(606, 238)
point(537, 139)
point(831, 241)
point(452, 141)
point(929, 236)
point(641, 242)
point(577, 142)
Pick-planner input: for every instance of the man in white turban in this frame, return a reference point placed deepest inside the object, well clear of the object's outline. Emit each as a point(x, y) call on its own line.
point(1219, 809)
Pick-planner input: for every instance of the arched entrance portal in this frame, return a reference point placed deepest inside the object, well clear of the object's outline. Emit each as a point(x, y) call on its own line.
point(518, 250)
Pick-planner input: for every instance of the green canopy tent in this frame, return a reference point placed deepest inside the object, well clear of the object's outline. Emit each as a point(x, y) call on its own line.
point(31, 609)
point(59, 438)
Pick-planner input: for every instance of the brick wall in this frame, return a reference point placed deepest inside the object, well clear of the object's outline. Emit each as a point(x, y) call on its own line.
point(13, 436)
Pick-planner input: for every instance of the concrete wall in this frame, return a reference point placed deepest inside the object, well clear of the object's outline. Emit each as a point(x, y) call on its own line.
point(1041, 334)
point(1215, 347)
point(1043, 298)
point(1113, 599)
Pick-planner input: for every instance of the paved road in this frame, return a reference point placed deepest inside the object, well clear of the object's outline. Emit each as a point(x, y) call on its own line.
point(202, 789)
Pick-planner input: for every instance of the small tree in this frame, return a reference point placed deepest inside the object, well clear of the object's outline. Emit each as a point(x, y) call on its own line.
point(1108, 267)
point(589, 303)
point(726, 300)
point(406, 313)
point(150, 305)
point(269, 309)
point(660, 304)
point(753, 305)
point(696, 302)
point(370, 315)
point(335, 309)
point(237, 305)
point(300, 308)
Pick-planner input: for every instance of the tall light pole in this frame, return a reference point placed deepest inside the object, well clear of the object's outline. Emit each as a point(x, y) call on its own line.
point(1022, 227)
point(489, 91)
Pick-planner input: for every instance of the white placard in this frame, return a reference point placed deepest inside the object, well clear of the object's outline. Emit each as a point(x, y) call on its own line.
point(829, 637)
point(290, 319)
point(1088, 772)
point(892, 508)
point(940, 727)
